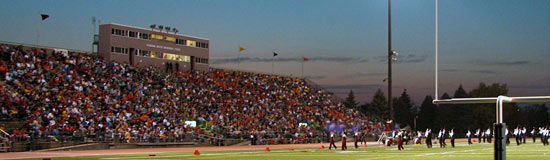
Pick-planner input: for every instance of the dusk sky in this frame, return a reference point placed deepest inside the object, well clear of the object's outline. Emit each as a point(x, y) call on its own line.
point(491, 41)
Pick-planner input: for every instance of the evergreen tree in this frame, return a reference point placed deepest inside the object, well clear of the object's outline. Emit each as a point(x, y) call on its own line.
point(484, 114)
point(378, 108)
point(514, 115)
point(462, 113)
point(350, 101)
point(428, 115)
point(364, 108)
point(403, 110)
point(537, 115)
point(446, 113)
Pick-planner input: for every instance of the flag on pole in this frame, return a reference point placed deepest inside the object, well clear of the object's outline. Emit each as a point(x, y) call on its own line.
point(241, 49)
point(305, 59)
point(275, 54)
point(44, 16)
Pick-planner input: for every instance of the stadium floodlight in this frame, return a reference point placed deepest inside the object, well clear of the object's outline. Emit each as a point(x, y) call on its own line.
point(394, 55)
point(175, 30)
point(161, 27)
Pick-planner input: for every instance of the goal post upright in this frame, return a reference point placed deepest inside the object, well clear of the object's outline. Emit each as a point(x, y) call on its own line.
point(499, 128)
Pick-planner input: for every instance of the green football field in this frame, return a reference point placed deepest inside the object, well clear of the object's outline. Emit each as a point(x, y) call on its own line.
point(462, 151)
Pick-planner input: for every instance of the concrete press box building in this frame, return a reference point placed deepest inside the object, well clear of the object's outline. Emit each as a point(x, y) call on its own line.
point(152, 47)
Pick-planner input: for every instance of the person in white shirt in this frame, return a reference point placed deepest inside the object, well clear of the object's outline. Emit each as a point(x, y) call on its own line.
point(400, 140)
point(469, 135)
point(452, 136)
point(546, 134)
point(252, 139)
point(441, 137)
point(428, 136)
point(331, 141)
point(418, 139)
point(478, 134)
point(517, 135)
point(534, 134)
point(489, 135)
point(344, 147)
point(524, 134)
point(356, 138)
point(506, 134)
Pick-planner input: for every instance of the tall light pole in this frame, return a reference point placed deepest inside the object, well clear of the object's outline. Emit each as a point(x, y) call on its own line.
point(390, 54)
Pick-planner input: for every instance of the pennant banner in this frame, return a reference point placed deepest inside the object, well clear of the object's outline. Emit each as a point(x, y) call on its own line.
point(44, 16)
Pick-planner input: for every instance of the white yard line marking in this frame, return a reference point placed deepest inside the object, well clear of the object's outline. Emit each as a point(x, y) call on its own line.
point(471, 150)
point(206, 154)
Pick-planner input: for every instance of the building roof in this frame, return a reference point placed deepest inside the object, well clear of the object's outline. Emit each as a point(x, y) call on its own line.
point(149, 29)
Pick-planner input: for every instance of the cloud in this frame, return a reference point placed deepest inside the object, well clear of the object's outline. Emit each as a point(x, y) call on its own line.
point(353, 86)
point(359, 75)
point(545, 79)
point(485, 71)
point(502, 63)
point(345, 93)
point(358, 89)
point(288, 59)
point(315, 77)
point(534, 86)
point(410, 58)
point(451, 70)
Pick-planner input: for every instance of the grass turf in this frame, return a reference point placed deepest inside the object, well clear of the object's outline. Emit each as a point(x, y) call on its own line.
point(462, 151)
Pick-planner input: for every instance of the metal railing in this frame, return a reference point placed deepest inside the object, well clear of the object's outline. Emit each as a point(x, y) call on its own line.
point(5, 143)
point(4, 133)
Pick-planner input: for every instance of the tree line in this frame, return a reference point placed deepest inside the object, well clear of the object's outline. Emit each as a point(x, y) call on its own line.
point(461, 117)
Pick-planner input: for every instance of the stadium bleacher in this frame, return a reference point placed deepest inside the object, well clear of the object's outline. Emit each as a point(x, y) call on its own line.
point(58, 95)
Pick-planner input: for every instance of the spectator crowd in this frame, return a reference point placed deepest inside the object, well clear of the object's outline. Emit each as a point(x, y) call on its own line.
point(77, 94)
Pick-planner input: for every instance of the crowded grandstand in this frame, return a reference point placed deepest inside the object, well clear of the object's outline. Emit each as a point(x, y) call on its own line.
point(62, 97)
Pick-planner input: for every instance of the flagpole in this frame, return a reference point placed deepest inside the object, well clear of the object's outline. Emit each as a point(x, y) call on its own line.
point(272, 62)
point(302, 66)
point(38, 31)
point(238, 58)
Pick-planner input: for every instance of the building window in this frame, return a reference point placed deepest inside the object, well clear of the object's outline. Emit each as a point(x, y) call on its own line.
point(143, 36)
point(170, 39)
point(156, 36)
point(132, 34)
point(119, 50)
point(181, 41)
point(191, 43)
point(201, 45)
point(143, 53)
point(201, 60)
point(118, 32)
point(156, 55)
point(177, 57)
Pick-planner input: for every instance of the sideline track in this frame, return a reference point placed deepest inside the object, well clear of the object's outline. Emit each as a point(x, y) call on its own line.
point(50, 154)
